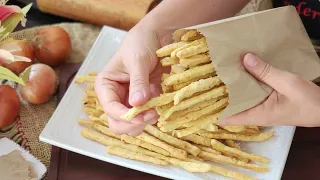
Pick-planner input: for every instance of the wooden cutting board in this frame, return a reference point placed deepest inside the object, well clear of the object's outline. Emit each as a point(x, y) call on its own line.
point(122, 14)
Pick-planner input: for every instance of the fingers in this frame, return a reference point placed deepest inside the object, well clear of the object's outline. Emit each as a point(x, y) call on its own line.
point(109, 93)
point(268, 74)
point(122, 127)
point(260, 115)
point(139, 92)
point(151, 116)
point(132, 129)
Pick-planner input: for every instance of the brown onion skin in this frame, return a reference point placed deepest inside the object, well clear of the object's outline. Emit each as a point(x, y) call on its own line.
point(52, 45)
point(9, 105)
point(19, 67)
point(41, 85)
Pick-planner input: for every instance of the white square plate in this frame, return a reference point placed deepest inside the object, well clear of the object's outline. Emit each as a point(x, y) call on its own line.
point(63, 130)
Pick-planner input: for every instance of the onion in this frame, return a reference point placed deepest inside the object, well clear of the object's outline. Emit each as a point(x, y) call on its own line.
point(27, 51)
point(9, 105)
point(41, 85)
point(52, 45)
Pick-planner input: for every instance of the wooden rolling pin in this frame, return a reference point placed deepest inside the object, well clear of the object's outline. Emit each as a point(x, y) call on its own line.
point(122, 14)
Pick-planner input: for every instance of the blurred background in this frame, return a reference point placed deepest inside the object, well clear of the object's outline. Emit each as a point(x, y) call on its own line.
point(35, 16)
point(122, 14)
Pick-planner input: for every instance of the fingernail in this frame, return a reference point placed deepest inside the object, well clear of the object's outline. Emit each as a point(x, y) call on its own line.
point(137, 97)
point(251, 60)
point(148, 117)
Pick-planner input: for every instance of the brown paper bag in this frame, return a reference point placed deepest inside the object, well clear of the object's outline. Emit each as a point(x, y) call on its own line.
point(277, 36)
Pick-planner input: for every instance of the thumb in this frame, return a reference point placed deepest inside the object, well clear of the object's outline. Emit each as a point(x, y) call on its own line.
point(139, 91)
point(260, 115)
point(266, 73)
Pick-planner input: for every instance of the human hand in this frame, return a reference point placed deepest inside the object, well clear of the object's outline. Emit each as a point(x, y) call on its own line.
point(132, 77)
point(294, 101)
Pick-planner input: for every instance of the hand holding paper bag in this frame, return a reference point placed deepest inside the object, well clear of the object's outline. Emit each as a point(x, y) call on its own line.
point(277, 36)
point(294, 101)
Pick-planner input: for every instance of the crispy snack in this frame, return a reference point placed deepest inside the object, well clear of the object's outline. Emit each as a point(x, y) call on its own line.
point(98, 137)
point(154, 102)
point(92, 111)
point(205, 121)
point(166, 89)
point(219, 131)
point(193, 108)
point(209, 150)
point(231, 161)
point(254, 127)
point(107, 140)
point(167, 50)
point(193, 43)
point(192, 51)
point(106, 131)
point(84, 79)
point(214, 108)
point(118, 151)
point(194, 150)
point(86, 123)
point(181, 118)
point(231, 174)
point(98, 105)
point(239, 137)
point(189, 74)
point(197, 140)
point(192, 158)
point(232, 144)
point(135, 151)
point(92, 73)
point(211, 128)
point(99, 121)
point(174, 124)
point(146, 145)
point(250, 131)
point(164, 76)
point(235, 129)
point(175, 69)
point(104, 117)
point(236, 152)
point(190, 166)
point(90, 105)
point(196, 87)
point(85, 100)
point(90, 93)
point(174, 152)
point(177, 87)
point(191, 35)
point(215, 93)
point(164, 108)
point(194, 61)
point(93, 120)
point(168, 61)
point(91, 87)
